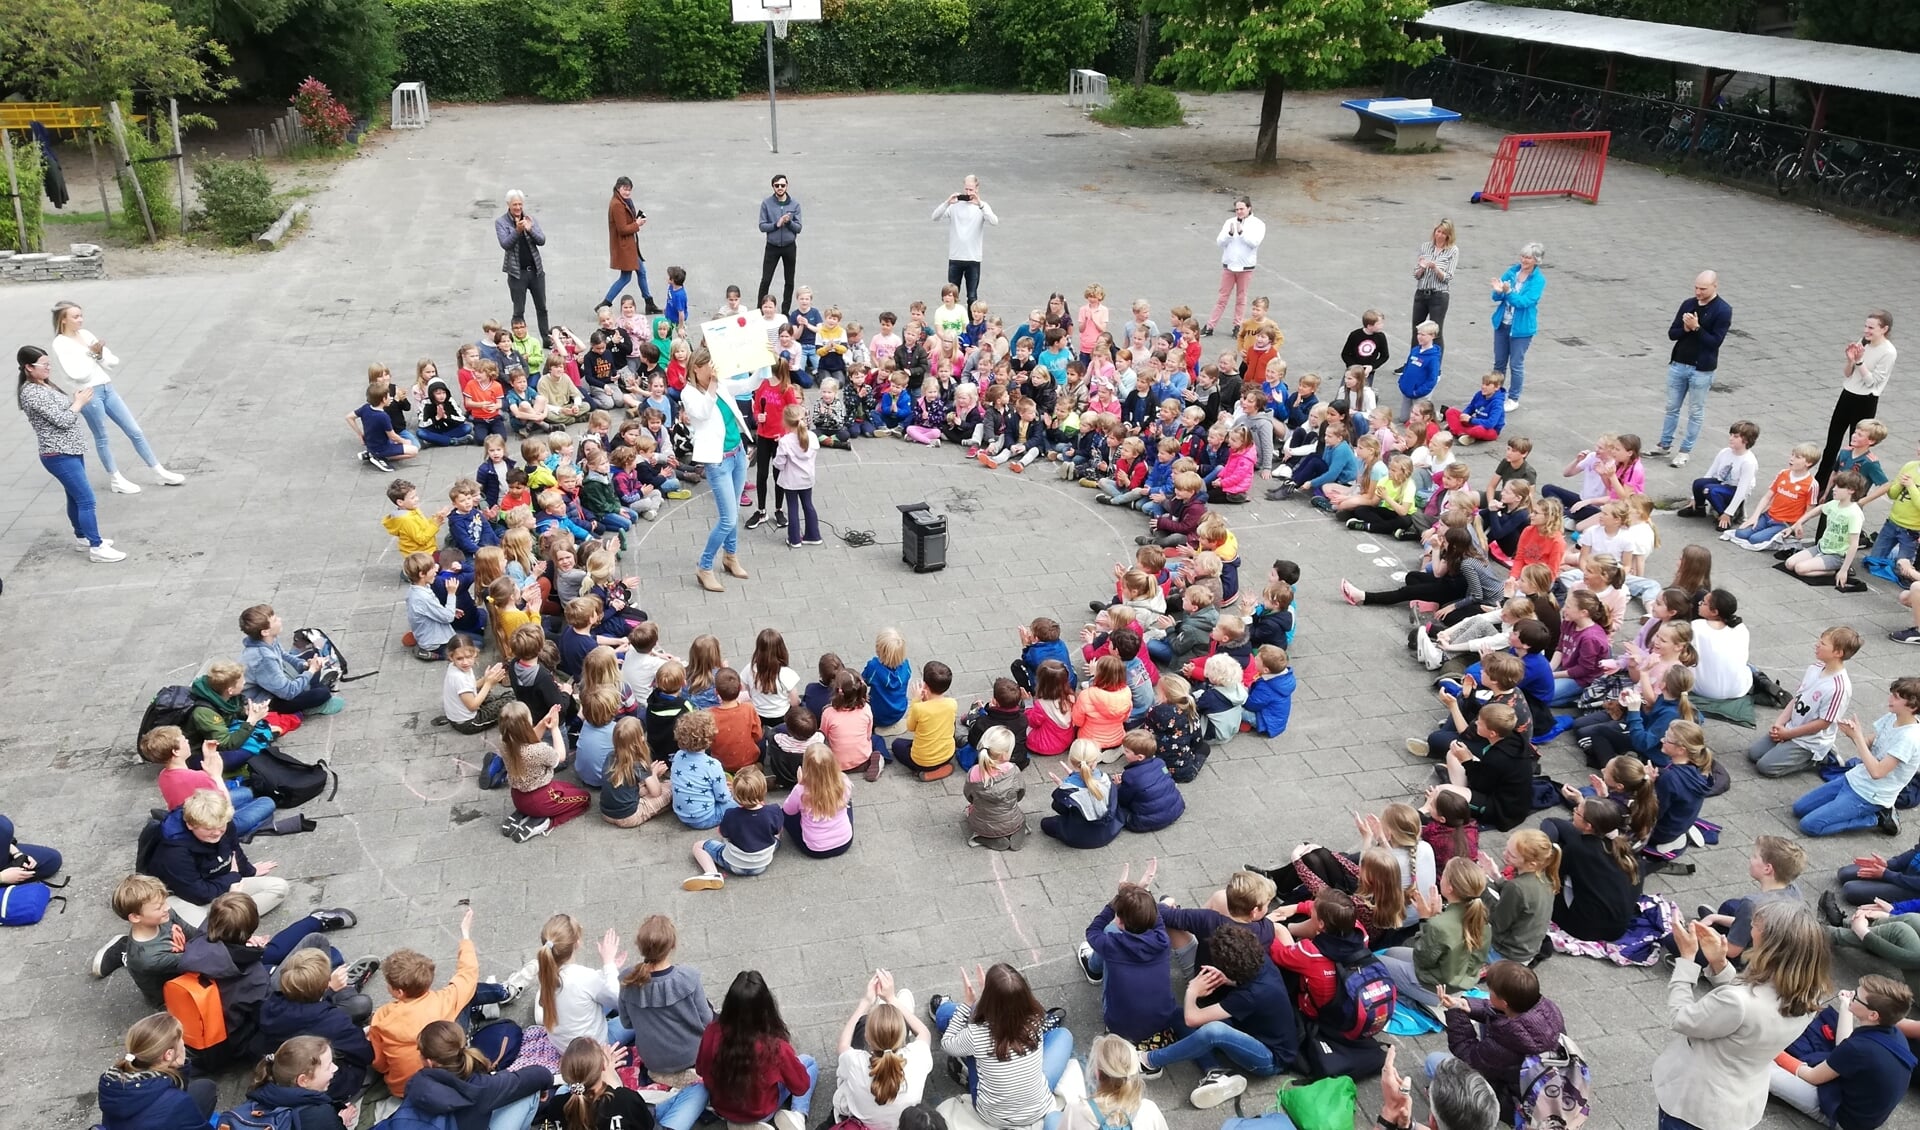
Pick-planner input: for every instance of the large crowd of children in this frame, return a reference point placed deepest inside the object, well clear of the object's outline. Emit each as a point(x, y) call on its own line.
point(1523, 606)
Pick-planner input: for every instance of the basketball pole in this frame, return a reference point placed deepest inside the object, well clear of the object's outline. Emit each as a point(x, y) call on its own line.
point(773, 108)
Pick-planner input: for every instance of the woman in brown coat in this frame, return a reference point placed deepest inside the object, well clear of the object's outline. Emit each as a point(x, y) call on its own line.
point(624, 221)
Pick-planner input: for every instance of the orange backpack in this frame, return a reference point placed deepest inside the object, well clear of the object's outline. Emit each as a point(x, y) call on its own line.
point(194, 1000)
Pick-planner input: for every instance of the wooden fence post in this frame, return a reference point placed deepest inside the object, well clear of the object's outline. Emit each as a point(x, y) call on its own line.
point(13, 187)
point(93, 155)
point(179, 160)
point(126, 159)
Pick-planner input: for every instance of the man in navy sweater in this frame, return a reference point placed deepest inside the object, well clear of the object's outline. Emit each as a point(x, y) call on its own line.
point(1697, 331)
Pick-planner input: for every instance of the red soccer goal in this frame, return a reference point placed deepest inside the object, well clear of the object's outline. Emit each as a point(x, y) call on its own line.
point(1547, 164)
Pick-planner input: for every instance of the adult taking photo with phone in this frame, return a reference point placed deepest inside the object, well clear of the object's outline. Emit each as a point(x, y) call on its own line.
point(967, 215)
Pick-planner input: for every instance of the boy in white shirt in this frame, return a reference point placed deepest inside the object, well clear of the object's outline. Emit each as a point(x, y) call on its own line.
point(1729, 480)
point(644, 659)
point(1802, 736)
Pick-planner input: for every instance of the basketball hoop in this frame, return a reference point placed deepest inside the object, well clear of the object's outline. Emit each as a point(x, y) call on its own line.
point(779, 16)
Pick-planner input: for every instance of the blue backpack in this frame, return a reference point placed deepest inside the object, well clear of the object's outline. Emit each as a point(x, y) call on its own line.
point(253, 1116)
point(1363, 1001)
point(407, 1118)
point(24, 904)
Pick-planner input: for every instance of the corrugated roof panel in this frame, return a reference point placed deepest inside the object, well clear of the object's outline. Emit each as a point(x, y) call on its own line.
point(1872, 69)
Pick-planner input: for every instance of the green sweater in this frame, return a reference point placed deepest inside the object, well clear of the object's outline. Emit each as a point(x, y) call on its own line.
point(598, 497)
point(1519, 916)
point(1441, 955)
point(219, 719)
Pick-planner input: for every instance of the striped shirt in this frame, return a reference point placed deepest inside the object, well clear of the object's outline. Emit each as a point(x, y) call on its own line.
point(1437, 277)
point(55, 427)
point(1013, 1092)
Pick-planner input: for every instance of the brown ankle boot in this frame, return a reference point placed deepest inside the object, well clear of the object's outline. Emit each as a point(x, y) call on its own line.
point(708, 581)
point(733, 567)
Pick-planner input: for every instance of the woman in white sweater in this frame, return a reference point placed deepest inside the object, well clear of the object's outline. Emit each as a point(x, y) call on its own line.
point(84, 361)
point(1714, 1075)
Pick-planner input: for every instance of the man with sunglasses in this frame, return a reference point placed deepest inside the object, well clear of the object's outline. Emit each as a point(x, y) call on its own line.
point(780, 220)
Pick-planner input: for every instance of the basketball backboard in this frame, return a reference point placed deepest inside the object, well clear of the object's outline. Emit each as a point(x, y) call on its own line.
point(766, 11)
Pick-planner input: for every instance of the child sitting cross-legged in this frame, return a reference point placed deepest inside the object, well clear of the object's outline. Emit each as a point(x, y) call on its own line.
point(417, 1005)
point(738, 734)
point(819, 810)
point(1180, 738)
point(994, 792)
point(929, 752)
point(1085, 815)
point(168, 747)
point(700, 792)
point(749, 833)
point(1127, 953)
point(1451, 947)
point(198, 856)
point(1496, 778)
point(1147, 798)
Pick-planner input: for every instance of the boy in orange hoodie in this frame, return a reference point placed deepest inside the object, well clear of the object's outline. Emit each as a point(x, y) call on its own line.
point(416, 1003)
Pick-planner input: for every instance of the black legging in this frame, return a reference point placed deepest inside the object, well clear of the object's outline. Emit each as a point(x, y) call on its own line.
point(1601, 738)
point(1378, 519)
point(763, 449)
point(1423, 586)
point(1429, 305)
point(1850, 409)
point(783, 256)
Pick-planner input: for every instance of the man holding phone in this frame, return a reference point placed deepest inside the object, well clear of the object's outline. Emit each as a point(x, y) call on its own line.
point(967, 216)
point(780, 221)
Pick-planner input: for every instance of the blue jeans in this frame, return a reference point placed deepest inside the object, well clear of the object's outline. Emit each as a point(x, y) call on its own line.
point(1764, 528)
point(1510, 350)
point(1217, 1036)
point(1056, 1051)
point(1834, 807)
point(1161, 651)
point(107, 405)
point(1894, 543)
point(71, 470)
point(727, 478)
point(458, 434)
point(1684, 382)
point(1565, 690)
point(250, 813)
point(620, 284)
point(515, 1115)
point(613, 521)
point(684, 1109)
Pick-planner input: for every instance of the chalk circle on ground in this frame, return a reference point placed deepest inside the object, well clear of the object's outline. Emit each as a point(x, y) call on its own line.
point(1386, 562)
point(1366, 547)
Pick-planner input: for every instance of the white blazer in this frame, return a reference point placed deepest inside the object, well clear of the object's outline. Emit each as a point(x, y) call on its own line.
point(1239, 251)
point(702, 411)
point(74, 362)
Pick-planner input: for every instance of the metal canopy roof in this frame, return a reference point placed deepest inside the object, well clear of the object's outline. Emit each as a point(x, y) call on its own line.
point(1871, 69)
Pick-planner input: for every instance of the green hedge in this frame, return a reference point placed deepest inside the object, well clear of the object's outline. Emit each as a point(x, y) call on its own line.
point(565, 50)
point(33, 196)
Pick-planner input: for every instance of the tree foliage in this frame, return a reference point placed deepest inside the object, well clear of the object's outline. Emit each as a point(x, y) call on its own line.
point(1276, 44)
point(91, 52)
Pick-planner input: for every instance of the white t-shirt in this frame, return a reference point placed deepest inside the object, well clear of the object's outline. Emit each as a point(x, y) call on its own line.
point(1825, 697)
point(638, 671)
point(1638, 540)
point(1723, 670)
point(853, 1093)
point(1902, 743)
point(1081, 1116)
point(457, 683)
point(775, 704)
point(1597, 539)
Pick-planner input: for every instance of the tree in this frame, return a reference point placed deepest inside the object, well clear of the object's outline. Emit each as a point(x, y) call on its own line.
point(1229, 44)
point(92, 52)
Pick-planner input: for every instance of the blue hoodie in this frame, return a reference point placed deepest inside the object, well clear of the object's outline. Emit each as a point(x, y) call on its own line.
point(1485, 411)
point(471, 531)
point(435, 1091)
point(1136, 994)
point(1422, 372)
point(1147, 797)
point(1681, 789)
point(887, 687)
point(281, 1019)
point(1270, 703)
point(146, 1100)
point(1036, 653)
point(195, 871)
point(312, 1110)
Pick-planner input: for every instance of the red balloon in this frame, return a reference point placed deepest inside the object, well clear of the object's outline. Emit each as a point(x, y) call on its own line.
point(743, 320)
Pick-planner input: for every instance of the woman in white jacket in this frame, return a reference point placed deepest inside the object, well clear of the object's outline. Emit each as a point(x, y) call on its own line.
point(1239, 241)
point(1714, 1075)
point(720, 440)
point(84, 361)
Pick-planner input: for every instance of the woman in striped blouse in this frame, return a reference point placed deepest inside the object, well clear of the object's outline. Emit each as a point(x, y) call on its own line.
point(1432, 271)
point(55, 416)
point(1014, 1049)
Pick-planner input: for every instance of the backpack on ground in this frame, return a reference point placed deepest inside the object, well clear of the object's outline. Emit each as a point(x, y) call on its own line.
point(147, 844)
point(1556, 1090)
point(493, 772)
point(288, 782)
point(1766, 692)
point(255, 1116)
point(23, 904)
point(407, 1118)
point(194, 1000)
point(1363, 1000)
point(310, 643)
point(171, 706)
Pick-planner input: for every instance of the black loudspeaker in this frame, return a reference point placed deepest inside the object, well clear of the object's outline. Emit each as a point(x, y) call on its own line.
point(923, 537)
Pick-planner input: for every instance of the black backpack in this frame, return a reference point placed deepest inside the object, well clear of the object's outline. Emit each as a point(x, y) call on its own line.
point(290, 783)
point(171, 706)
point(310, 643)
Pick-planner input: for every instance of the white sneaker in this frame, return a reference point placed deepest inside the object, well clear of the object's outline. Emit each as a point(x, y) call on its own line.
point(120, 484)
point(903, 1000)
point(1217, 1087)
point(1512, 404)
point(82, 545)
point(1679, 459)
point(788, 1120)
point(105, 552)
point(166, 477)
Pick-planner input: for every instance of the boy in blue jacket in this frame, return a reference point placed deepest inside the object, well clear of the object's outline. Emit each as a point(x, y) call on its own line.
point(310, 998)
point(1128, 954)
point(1269, 703)
point(1146, 795)
point(1422, 373)
point(1483, 416)
point(1039, 642)
point(196, 852)
point(467, 526)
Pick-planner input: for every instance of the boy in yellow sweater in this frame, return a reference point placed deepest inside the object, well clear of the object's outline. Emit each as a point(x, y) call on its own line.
point(415, 532)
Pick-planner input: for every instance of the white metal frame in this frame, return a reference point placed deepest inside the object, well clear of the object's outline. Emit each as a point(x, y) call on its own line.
point(1087, 88)
point(409, 107)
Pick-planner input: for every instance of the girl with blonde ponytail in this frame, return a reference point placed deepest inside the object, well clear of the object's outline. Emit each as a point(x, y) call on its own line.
point(1451, 948)
point(1118, 1100)
point(574, 1000)
point(1524, 908)
point(886, 1054)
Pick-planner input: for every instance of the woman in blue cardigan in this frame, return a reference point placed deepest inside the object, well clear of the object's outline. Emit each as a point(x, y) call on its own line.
point(1516, 301)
